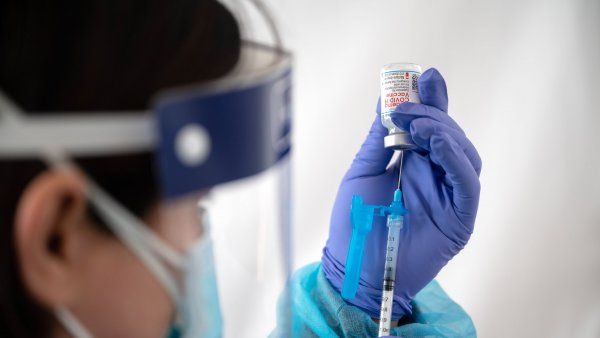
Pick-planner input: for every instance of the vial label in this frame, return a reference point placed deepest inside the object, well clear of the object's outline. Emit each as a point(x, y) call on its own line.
point(398, 86)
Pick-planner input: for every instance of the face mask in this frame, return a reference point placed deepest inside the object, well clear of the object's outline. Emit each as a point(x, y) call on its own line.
point(199, 311)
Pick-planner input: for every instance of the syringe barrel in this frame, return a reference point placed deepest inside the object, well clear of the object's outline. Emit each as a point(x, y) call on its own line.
point(394, 224)
point(399, 84)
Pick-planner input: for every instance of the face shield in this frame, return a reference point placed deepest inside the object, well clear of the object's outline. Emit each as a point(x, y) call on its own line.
point(218, 238)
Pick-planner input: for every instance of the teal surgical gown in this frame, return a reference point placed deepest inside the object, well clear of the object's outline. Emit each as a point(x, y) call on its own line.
point(318, 310)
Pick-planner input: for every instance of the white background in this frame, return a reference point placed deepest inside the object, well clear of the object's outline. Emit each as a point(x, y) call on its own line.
point(524, 82)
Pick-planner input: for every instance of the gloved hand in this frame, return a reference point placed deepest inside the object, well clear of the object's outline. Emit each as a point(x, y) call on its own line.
point(440, 185)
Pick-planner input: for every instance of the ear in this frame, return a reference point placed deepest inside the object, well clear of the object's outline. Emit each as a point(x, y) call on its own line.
point(49, 225)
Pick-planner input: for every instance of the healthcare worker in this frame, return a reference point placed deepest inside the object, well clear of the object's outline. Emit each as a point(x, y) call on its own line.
point(144, 166)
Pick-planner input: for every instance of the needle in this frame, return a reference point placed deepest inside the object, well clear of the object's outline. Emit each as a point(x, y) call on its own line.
point(400, 169)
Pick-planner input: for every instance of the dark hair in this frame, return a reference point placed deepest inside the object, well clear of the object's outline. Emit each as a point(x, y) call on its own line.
point(97, 55)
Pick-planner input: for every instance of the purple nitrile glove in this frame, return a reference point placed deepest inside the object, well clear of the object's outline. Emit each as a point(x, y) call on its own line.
point(440, 185)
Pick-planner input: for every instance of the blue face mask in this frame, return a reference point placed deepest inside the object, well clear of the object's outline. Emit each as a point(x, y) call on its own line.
point(199, 312)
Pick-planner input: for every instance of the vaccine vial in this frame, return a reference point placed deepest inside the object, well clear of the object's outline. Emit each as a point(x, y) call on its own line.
point(399, 84)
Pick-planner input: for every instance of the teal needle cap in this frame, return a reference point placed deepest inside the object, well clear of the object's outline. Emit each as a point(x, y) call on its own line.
point(362, 215)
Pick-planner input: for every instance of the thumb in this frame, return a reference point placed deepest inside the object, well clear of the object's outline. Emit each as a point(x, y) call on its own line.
point(372, 158)
point(432, 89)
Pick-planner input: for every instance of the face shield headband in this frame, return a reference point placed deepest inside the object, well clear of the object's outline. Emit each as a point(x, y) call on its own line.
point(202, 136)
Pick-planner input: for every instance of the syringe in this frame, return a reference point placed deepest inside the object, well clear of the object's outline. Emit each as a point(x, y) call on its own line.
point(395, 221)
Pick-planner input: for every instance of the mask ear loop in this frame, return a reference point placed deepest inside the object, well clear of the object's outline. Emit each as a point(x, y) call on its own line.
point(72, 324)
point(145, 244)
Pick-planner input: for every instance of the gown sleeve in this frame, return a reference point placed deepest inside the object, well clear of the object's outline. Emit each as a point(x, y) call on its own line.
point(317, 310)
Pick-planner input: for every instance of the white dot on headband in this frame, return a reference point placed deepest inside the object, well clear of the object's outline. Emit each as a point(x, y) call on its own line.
point(192, 145)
